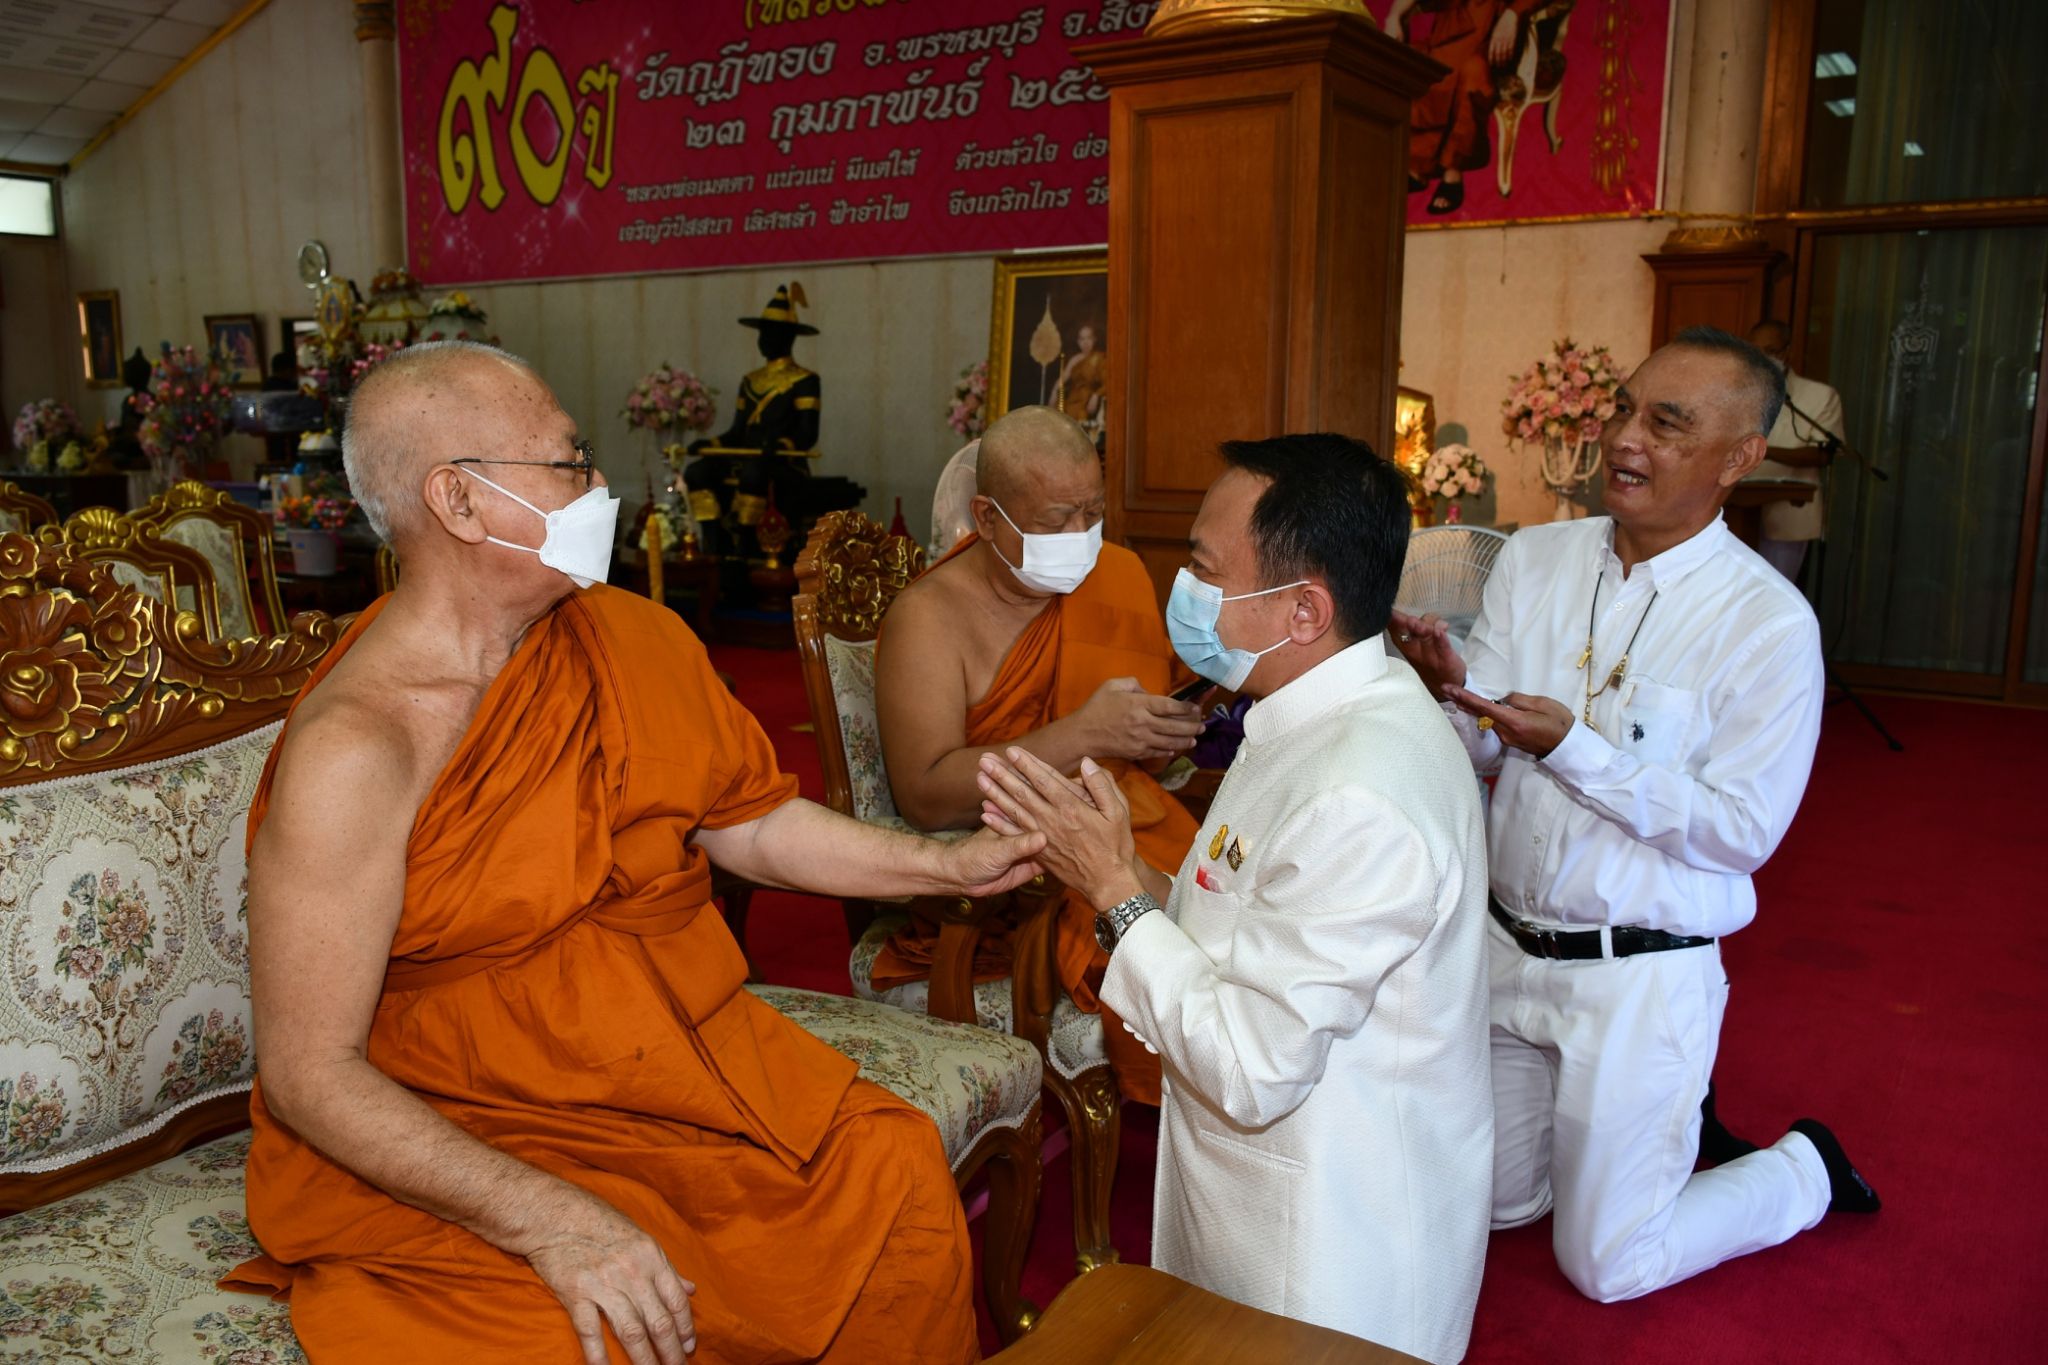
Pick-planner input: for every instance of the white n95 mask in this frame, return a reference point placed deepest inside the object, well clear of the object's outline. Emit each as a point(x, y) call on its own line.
point(1057, 563)
point(578, 541)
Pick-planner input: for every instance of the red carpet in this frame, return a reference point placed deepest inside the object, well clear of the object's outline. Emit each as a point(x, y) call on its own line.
point(1892, 987)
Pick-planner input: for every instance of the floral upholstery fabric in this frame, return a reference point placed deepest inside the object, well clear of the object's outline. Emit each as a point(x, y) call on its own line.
point(12, 521)
point(968, 1079)
point(220, 544)
point(1073, 1042)
point(123, 902)
point(126, 1271)
point(851, 665)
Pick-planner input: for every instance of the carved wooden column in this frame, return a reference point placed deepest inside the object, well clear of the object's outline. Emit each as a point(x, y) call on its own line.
point(1715, 268)
point(376, 42)
point(1258, 193)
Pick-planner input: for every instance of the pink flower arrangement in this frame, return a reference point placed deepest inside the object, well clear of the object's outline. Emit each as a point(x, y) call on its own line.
point(967, 414)
point(310, 512)
point(1454, 471)
point(45, 419)
point(1564, 398)
point(185, 409)
point(670, 399)
point(372, 354)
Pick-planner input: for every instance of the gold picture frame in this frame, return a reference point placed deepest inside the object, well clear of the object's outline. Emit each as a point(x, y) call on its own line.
point(1414, 429)
point(1036, 351)
point(99, 337)
point(237, 338)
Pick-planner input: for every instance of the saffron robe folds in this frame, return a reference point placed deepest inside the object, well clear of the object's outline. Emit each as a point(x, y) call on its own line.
point(1109, 627)
point(562, 988)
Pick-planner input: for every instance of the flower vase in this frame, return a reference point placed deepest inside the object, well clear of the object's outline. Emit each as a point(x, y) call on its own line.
point(1454, 514)
point(1568, 467)
point(314, 551)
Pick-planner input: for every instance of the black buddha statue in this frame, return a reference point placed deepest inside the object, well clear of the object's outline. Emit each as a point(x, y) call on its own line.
point(774, 422)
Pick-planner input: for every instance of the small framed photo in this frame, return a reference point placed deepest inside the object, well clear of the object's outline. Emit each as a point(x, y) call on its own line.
point(237, 338)
point(294, 333)
point(99, 337)
point(1414, 428)
point(1048, 337)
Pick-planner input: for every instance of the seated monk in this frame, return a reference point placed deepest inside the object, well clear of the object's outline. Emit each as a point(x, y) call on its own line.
point(515, 1104)
point(1034, 633)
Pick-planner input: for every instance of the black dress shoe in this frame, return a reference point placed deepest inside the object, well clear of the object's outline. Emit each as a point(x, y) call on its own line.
point(1718, 1146)
point(1849, 1192)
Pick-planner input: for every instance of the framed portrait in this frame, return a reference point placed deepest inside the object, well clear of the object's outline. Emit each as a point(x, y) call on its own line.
point(1048, 336)
point(1414, 428)
point(99, 337)
point(237, 338)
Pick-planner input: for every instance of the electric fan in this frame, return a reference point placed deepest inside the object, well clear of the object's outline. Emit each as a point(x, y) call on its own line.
point(951, 521)
point(1446, 572)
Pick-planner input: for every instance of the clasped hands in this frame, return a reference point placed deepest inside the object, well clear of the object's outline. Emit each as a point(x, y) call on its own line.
point(1086, 824)
point(1535, 725)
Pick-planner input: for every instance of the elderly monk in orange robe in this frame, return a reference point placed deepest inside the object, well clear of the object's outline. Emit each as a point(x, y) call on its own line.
point(1034, 633)
point(514, 1103)
point(1447, 123)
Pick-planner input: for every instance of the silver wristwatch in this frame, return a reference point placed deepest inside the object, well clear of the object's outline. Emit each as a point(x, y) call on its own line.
point(1112, 924)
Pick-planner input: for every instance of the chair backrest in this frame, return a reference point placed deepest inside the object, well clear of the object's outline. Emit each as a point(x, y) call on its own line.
point(139, 557)
point(21, 510)
point(387, 569)
point(129, 752)
point(234, 539)
point(847, 576)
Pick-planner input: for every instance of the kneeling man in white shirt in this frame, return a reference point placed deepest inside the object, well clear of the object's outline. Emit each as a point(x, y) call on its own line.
point(1314, 979)
point(1649, 690)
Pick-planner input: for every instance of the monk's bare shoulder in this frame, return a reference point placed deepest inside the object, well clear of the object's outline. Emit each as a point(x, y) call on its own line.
point(925, 606)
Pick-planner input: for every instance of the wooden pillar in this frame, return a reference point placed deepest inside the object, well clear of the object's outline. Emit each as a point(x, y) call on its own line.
point(384, 190)
point(1258, 198)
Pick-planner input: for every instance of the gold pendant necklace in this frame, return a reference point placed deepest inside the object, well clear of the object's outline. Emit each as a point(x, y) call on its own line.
point(1616, 674)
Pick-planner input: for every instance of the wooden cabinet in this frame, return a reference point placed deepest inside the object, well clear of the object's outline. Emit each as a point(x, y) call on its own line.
point(1258, 191)
point(1729, 289)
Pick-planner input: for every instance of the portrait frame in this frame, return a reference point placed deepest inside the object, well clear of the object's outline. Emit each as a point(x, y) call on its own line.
point(238, 339)
point(99, 337)
point(1414, 429)
point(294, 330)
point(1065, 291)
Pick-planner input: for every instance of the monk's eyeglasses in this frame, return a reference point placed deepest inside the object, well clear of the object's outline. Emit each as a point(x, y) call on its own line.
point(587, 465)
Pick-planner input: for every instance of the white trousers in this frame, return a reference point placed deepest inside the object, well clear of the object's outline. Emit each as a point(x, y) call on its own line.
point(1598, 1072)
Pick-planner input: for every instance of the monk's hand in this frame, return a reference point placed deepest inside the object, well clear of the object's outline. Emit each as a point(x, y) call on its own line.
point(1086, 824)
point(1123, 720)
point(1535, 725)
point(603, 1268)
point(1425, 642)
point(1501, 50)
point(989, 862)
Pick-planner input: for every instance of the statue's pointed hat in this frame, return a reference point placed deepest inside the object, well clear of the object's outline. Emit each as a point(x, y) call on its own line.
point(781, 311)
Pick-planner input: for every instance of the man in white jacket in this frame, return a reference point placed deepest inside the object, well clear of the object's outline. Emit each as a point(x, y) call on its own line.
point(1316, 981)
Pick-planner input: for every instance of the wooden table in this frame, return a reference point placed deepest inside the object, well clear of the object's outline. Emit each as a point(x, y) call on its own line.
point(1745, 506)
point(1133, 1315)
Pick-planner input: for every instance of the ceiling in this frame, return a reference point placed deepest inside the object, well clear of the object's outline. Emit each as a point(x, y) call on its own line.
point(68, 68)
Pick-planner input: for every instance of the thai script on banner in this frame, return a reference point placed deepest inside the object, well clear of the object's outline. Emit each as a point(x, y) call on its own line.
point(581, 137)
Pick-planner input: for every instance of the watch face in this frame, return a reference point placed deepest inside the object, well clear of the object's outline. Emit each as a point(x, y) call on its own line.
point(1105, 933)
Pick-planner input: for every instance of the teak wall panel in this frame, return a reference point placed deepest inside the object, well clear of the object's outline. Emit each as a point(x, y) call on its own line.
point(1227, 197)
point(1256, 220)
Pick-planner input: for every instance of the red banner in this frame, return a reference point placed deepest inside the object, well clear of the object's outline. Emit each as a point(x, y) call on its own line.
point(593, 137)
point(1551, 108)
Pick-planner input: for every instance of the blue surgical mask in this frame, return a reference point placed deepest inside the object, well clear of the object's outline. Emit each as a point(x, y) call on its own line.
point(1191, 612)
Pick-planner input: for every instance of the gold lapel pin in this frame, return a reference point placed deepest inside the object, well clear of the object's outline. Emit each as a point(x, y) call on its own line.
point(1216, 844)
point(1236, 855)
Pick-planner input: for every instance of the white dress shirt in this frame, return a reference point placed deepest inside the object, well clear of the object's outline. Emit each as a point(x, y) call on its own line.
point(1657, 813)
point(1316, 988)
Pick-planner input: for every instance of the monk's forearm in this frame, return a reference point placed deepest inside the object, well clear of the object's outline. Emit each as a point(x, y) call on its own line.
point(948, 794)
point(801, 846)
point(383, 1133)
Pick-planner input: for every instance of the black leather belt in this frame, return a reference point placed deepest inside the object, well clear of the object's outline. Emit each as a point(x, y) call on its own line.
point(1582, 945)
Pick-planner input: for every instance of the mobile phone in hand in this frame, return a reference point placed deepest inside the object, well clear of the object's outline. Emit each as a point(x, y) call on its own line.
point(1192, 690)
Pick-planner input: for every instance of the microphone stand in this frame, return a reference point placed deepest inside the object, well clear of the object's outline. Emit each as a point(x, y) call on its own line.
point(1831, 444)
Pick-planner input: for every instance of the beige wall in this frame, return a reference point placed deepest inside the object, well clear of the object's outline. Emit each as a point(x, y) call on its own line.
point(199, 205)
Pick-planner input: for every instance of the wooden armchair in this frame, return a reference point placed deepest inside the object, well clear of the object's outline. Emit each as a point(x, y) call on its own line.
point(21, 510)
point(236, 541)
point(848, 574)
point(139, 557)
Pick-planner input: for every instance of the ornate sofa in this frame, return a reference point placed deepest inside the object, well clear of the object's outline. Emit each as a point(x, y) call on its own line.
point(130, 750)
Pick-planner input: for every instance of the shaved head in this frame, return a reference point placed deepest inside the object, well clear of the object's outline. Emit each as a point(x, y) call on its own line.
point(428, 403)
point(1027, 441)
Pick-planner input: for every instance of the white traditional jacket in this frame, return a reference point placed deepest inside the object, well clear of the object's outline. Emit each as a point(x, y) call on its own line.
point(1317, 990)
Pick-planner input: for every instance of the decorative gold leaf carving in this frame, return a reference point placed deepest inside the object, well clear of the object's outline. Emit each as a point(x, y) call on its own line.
point(854, 568)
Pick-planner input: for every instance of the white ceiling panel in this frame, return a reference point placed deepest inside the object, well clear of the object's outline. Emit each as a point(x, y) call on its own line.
point(86, 22)
point(43, 150)
point(169, 38)
point(210, 14)
point(73, 57)
point(18, 117)
point(138, 68)
point(151, 7)
point(69, 122)
point(108, 97)
point(43, 87)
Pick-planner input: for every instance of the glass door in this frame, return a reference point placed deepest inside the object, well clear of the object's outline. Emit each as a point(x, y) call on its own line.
point(1933, 338)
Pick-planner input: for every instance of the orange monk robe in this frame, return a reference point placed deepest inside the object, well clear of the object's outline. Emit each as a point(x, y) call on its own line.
point(562, 988)
point(1109, 627)
point(1447, 122)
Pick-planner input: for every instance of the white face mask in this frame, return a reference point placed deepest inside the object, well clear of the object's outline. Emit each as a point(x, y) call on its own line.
point(1057, 563)
point(579, 537)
